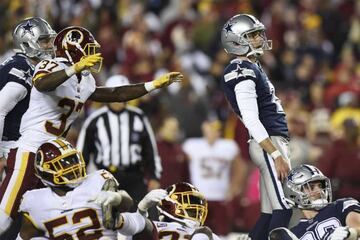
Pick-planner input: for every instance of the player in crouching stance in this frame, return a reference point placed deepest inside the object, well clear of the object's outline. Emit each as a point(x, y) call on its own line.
point(65, 208)
point(183, 211)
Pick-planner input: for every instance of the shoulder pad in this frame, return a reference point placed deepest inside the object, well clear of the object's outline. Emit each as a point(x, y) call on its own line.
point(239, 70)
point(348, 202)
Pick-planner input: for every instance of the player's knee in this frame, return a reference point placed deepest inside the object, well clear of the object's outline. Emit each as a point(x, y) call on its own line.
point(5, 221)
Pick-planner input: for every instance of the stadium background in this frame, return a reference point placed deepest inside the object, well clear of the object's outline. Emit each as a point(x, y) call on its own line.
point(314, 66)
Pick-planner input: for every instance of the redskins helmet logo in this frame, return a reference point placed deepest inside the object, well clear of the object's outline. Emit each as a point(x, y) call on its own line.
point(73, 37)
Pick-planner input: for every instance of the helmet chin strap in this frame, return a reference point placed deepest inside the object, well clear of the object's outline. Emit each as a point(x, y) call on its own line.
point(255, 52)
point(188, 222)
point(191, 223)
point(69, 57)
point(319, 203)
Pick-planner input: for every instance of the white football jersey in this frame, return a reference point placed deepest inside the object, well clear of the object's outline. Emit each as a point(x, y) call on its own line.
point(175, 231)
point(71, 216)
point(210, 165)
point(50, 114)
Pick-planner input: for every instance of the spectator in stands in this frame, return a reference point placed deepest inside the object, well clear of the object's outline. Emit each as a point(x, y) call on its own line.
point(175, 168)
point(217, 170)
point(341, 161)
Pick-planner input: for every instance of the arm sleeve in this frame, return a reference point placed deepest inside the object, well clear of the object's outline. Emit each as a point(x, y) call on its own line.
point(133, 223)
point(150, 154)
point(246, 100)
point(13, 93)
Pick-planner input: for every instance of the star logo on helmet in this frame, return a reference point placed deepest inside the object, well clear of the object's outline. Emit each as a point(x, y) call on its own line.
point(28, 29)
point(228, 28)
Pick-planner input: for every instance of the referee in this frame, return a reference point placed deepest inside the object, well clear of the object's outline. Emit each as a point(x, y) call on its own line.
point(119, 138)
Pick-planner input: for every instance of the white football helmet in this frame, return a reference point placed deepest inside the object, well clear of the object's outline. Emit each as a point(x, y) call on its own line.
point(299, 179)
point(27, 35)
point(235, 36)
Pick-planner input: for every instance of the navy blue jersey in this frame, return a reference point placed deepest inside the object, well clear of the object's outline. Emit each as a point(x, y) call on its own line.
point(271, 113)
point(16, 69)
point(328, 218)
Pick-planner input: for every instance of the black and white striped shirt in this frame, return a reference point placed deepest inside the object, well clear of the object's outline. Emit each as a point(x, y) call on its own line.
point(120, 140)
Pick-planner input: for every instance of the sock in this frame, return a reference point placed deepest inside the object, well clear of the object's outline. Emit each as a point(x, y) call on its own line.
point(261, 229)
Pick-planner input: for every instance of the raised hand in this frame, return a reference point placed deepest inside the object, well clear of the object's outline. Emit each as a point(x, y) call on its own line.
point(87, 62)
point(151, 199)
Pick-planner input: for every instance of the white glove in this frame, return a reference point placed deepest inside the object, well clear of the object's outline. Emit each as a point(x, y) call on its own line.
point(341, 233)
point(108, 197)
point(151, 199)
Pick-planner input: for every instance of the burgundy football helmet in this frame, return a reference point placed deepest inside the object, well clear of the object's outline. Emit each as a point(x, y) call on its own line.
point(185, 204)
point(73, 43)
point(58, 163)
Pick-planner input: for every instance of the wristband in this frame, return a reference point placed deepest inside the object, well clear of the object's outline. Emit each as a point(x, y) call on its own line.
point(149, 86)
point(275, 154)
point(70, 71)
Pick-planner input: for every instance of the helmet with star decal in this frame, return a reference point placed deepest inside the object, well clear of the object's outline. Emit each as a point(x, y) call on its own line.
point(34, 38)
point(243, 34)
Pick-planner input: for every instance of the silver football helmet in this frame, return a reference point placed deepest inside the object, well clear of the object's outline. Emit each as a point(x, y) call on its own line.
point(299, 180)
point(27, 35)
point(237, 33)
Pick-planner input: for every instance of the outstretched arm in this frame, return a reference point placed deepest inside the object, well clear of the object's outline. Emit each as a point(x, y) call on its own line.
point(136, 224)
point(119, 94)
point(130, 92)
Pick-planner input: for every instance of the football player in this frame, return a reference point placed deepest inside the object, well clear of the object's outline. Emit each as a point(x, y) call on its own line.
point(61, 87)
point(64, 208)
point(252, 97)
point(308, 189)
point(182, 209)
point(33, 41)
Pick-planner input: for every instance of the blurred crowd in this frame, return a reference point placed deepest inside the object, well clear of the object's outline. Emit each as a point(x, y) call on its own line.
point(314, 65)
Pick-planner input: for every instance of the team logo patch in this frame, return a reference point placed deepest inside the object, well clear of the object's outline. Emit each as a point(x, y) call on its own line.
point(74, 37)
point(28, 29)
point(227, 28)
point(239, 72)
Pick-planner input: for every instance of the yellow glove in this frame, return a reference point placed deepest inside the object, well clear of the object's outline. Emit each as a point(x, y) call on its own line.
point(164, 80)
point(87, 62)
